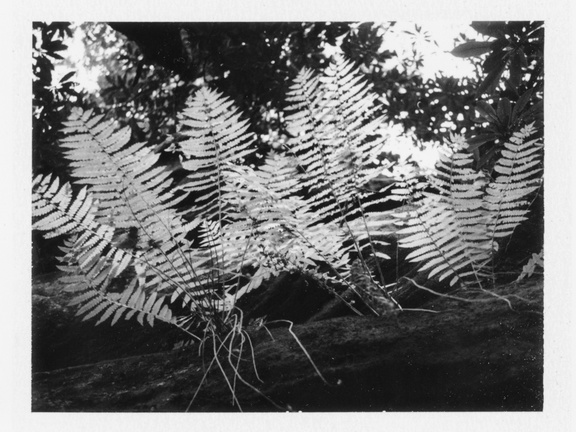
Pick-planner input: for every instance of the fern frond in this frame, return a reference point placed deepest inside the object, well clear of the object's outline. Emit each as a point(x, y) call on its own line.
point(336, 134)
point(517, 176)
point(122, 176)
point(456, 233)
point(134, 195)
point(536, 260)
point(94, 302)
point(217, 142)
point(260, 234)
point(217, 139)
point(337, 139)
point(132, 192)
point(92, 247)
point(455, 178)
point(56, 212)
point(435, 233)
point(447, 232)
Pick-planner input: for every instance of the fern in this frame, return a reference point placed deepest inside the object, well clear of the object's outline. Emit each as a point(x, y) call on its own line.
point(122, 178)
point(518, 170)
point(217, 140)
point(92, 260)
point(127, 195)
point(296, 212)
point(131, 252)
point(336, 135)
point(336, 140)
point(133, 301)
point(57, 212)
point(455, 232)
point(536, 260)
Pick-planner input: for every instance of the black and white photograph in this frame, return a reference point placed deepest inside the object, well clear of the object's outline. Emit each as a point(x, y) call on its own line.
point(255, 215)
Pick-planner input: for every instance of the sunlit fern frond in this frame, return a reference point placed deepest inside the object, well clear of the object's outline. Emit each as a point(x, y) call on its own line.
point(455, 232)
point(123, 219)
point(56, 211)
point(272, 228)
point(217, 138)
point(296, 240)
point(462, 188)
point(131, 189)
point(336, 140)
point(457, 182)
point(92, 246)
point(92, 261)
point(536, 260)
point(94, 302)
point(306, 123)
point(335, 128)
point(517, 176)
point(354, 136)
point(263, 205)
point(443, 241)
point(409, 185)
point(447, 230)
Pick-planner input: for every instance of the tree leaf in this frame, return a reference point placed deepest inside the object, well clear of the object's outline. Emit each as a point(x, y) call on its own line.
point(54, 46)
point(479, 140)
point(521, 104)
point(521, 57)
point(533, 113)
point(56, 56)
point(472, 49)
point(486, 111)
point(490, 28)
point(516, 69)
point(67, 76)
point(491, 81)
point(504, 110)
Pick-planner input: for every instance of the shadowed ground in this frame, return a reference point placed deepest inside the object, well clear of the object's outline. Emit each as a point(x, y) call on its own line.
point(470, 356)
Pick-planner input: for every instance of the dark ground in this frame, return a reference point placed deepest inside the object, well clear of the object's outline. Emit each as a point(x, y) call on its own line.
point(471, 356)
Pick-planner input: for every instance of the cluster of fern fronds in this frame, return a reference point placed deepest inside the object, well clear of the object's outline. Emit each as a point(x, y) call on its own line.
point(303, 209)
point(457, 231)
point(133, 249)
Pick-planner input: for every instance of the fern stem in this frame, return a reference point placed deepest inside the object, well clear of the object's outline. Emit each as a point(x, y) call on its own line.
point(337, 273)
point(252, 225)
point(290, 325)
point(176, 244)
point(463, 299)
point(380, 274)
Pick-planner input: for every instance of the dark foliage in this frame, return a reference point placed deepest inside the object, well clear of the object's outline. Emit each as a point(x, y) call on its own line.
point(254, 63)
point(49, 100)
point(510, 95)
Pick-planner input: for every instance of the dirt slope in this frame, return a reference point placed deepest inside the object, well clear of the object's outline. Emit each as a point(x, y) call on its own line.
point(469, 356)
